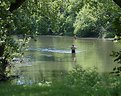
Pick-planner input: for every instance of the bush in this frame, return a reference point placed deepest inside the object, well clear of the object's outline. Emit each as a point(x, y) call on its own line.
point(78, 82)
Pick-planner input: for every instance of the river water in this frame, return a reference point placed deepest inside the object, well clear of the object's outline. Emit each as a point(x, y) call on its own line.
point(49, 56)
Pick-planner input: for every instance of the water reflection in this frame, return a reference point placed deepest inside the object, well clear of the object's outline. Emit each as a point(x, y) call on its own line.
point(74, 57)
point(41, 78)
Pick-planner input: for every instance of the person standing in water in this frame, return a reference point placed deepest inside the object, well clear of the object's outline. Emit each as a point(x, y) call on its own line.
point(73, 49)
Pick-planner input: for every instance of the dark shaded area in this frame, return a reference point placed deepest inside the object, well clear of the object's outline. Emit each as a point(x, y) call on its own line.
point(118, 2)
point(15, 5)
point(2, 47)
point(3, 64)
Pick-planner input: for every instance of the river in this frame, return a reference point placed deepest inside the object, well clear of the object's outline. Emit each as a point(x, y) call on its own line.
point(49, 56)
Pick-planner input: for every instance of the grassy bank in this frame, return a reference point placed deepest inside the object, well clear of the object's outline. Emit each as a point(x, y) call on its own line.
point(78, 82)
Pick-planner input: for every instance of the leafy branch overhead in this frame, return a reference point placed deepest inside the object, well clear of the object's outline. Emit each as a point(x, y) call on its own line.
point(17, 3)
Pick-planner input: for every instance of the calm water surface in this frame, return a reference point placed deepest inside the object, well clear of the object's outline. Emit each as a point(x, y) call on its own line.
point(49, 56)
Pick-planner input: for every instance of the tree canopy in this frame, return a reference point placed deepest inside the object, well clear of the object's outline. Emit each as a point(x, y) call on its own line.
point(86, 18)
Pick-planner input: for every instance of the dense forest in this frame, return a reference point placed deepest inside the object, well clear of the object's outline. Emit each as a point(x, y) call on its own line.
point(84, 18)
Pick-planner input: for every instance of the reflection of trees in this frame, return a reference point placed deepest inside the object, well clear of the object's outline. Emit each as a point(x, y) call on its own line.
point(42, 75)
point(104, 54)
point(94, 53)
point(49, 68)
point(42, 42)
point(74, 57)
point(86, 56)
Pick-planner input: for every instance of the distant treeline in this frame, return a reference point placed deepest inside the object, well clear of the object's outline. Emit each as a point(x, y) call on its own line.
point(85, 18)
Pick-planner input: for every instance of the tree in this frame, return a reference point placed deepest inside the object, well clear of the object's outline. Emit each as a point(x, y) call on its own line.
point(117, 26)
point(8, 46)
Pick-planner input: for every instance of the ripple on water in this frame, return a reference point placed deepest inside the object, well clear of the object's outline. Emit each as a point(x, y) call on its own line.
point(51, 50)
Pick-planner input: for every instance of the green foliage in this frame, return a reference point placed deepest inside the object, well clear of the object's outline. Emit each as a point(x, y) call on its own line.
point(5, 29)
point(84, 18)
point(8, 45)
point(88, 82)
point(109, 35)
point(78, 82)
point(66, 17)
point(117, 55)
point(117, 25)
point(79, 77)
